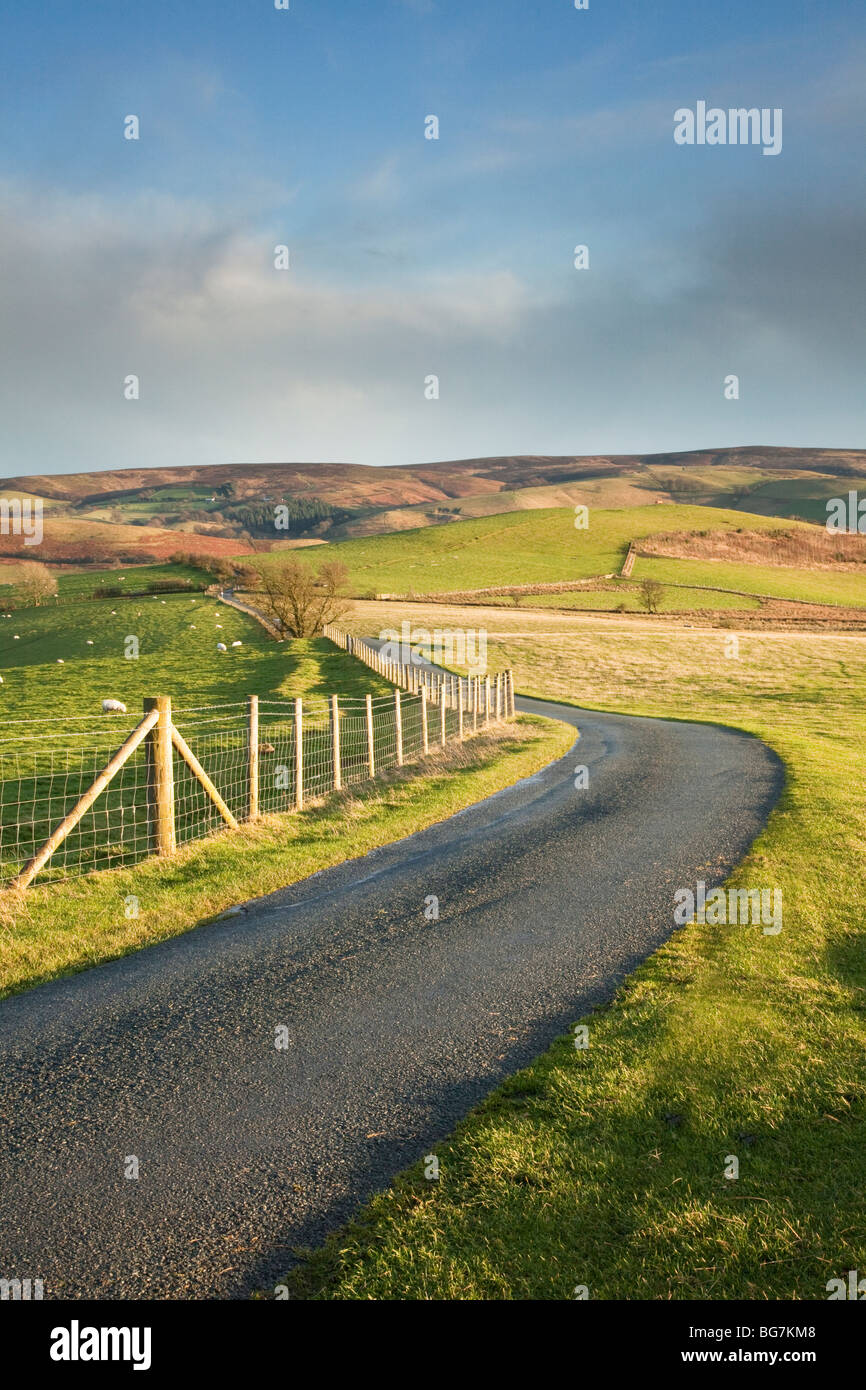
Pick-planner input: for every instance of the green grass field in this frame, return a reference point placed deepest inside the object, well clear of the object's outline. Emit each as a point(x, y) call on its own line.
point(606, 1167)
point(177, 643)
point(45, 766)
point(674, 600)
point(518, 547)
point(81, 584)
point(773, 581)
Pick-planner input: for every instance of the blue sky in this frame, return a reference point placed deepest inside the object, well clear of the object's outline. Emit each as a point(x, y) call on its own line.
point(412, 257)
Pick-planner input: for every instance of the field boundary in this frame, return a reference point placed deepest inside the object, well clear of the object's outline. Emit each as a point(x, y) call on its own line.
point(233, 763)
point(227, 596)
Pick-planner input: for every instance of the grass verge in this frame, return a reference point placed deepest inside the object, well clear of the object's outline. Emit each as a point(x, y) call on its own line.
point(606, 1167)
point(60, 929)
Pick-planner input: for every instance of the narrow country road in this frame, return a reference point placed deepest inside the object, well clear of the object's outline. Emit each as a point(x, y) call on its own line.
point(396, 1025)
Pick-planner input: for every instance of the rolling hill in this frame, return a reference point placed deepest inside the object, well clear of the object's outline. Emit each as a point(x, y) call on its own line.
point(525, 547)
point(234, 502)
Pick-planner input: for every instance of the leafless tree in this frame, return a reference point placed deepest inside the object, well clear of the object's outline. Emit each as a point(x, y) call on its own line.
point(651, 594)
point(302, 600)
point(35, 584)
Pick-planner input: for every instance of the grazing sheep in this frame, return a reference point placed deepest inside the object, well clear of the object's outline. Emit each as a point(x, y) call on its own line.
point(237, 644)
point(221, 647)
point(113, 707)
point(219, 624)
point(90, 641)
point(16, 638)
point(267, 748)
point(60, 661)
point(193, 626)
point(1, 680)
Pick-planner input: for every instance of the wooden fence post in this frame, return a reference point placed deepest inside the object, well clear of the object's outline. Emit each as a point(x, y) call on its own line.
point(486, 699)
point(299, 753)
point(460, 733)
point(253, 754)
point(371, 756)
point(425, 742)
point(474, 694)
point(335, 742)
point(398, 727)
point(160, 778)
point(442, 716)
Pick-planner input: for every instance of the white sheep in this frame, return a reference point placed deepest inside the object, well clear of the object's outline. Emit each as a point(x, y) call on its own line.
point(237, 644)
point(90, 641)
point(221, 647)
point(60, 661)
point(219, 625)
point(113, 707)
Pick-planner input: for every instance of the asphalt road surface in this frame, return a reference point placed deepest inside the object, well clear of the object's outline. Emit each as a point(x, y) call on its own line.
point(396, 1025)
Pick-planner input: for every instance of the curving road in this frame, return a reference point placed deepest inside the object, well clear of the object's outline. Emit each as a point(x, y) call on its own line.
point(396, 1025)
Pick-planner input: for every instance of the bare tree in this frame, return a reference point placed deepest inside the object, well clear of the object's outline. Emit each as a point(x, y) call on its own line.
point(302, 600)
point(35, 584)
point(651, 594)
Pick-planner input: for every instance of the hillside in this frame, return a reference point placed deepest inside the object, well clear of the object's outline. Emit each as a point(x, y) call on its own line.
point(528, 547)
point(234, 503)
point(71, 540)
point(355, 484)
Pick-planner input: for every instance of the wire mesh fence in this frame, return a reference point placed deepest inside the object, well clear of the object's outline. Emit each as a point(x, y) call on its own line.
point(45, 768)
point(78, 795)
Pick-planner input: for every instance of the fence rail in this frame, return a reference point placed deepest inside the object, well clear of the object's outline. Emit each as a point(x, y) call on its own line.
point(75, 798)
point(493, 695)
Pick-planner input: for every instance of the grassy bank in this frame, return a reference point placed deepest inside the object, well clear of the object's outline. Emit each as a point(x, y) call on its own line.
point(63, 928)
point(606, 1167)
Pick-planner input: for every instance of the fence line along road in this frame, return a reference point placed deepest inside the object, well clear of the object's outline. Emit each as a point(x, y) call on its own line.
point(71, 801)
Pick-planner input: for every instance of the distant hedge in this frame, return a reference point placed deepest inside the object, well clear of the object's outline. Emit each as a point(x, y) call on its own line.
point(156, 586)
